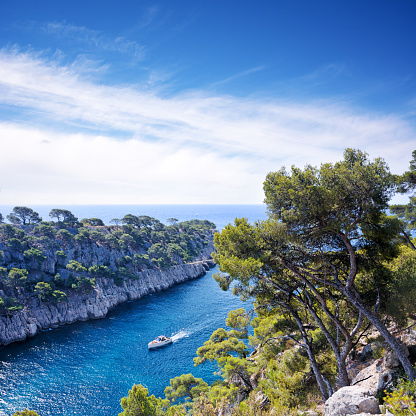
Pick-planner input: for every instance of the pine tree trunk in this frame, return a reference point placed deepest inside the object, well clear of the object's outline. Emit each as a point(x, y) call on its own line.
point(343, 379)
point(316, 371)
point(389, 338)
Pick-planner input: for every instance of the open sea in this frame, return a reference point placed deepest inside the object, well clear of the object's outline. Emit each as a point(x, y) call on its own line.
point(87, 367)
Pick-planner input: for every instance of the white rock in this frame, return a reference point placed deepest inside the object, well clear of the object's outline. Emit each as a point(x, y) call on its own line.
point(351, 400)
point(366, 414)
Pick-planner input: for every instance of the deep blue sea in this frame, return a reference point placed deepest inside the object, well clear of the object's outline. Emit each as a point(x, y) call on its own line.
point(221, 215)
point(85, 368)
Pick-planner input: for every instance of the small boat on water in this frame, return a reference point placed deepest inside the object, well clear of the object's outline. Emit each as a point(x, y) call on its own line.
point(160, 341)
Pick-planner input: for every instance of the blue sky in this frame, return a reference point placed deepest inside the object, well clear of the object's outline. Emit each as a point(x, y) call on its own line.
point(193, 101)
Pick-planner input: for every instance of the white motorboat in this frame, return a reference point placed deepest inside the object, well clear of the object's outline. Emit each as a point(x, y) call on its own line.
point(160, 341)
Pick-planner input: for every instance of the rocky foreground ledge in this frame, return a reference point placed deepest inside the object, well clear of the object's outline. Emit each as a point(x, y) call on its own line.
point(37, 316)
point(370, 377)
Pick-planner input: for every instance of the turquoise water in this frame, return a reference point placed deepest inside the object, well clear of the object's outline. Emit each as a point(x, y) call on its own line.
point(85, 368)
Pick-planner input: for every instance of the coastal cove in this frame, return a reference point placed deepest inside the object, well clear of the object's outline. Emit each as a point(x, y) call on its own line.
point(86, 367)
point(106, 295)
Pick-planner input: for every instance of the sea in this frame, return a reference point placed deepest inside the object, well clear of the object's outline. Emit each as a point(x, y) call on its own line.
point(87, 367)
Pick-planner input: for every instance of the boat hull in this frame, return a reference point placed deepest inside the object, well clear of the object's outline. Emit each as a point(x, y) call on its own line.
point(158, 344)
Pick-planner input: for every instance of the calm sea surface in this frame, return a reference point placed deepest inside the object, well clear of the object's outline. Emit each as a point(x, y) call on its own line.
point(221, 215)
point(85, 368)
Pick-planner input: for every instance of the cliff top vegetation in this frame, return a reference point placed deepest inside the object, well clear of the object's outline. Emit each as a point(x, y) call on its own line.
point(50, 259)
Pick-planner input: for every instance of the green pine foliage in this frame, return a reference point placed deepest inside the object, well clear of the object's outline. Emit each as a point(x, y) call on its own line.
point(326, 265)
point(29, 246)
point(26, 412)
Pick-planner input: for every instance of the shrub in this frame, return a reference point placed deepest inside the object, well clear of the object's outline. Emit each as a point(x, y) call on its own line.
point(100, 271)
point(82, 236)
point(58, 280)
point(64, 235)
point(58, 296)
point(15, 244)
point(43, 290)
point(284, 377)
point(34, 256)
point(9, 304)
point(75, 266)
point(138, 402)
point(97, 236)
point(26, 412)
point(17, 277)
point(83, 283)
point(400, 404)
point(44, 229)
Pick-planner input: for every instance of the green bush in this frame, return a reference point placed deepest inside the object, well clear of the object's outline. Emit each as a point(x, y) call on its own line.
point(34, 256)
point(58, 280)
point(43, 290)
point(75, 266)
point(83, 284)
point(399, 403)
point(378, 350)
point(17, 277)
point(45, 229)
point(100, 271)
point(58, 296)
point(138, 402)
point(285, 382)
point(9, 304)
point(15, 244)
point(26, 412)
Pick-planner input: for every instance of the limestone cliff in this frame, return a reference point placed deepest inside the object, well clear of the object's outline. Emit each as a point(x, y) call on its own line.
point(54, 274)
point(37, 315)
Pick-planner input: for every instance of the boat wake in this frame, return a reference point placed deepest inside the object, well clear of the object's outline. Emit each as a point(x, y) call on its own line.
point(179, 335)
point(186, 332)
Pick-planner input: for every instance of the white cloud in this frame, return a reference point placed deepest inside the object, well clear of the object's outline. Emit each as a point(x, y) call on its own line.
point(239, 75)
point(93, 38)
point(48, 167)
point(194, 147)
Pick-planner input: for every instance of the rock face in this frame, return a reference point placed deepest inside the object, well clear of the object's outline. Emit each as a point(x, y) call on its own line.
point(37, 315)
point(366, 414)
point(351, 400)
point(380, 374)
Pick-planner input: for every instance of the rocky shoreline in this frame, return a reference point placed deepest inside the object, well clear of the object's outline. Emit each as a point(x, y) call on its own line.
point(37, 315)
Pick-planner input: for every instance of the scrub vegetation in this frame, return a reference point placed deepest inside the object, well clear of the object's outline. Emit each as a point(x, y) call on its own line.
point(52, 259)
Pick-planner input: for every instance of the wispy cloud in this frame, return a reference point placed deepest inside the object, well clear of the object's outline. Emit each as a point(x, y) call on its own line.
point(193, 147)
point(93, 38)
point(149, 16)
point(239, 75)
point(331, 70)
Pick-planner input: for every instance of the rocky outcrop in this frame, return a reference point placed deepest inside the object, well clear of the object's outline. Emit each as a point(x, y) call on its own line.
point(365, 414)
point(351, 400)
point(380, 374)
point(37, 315)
